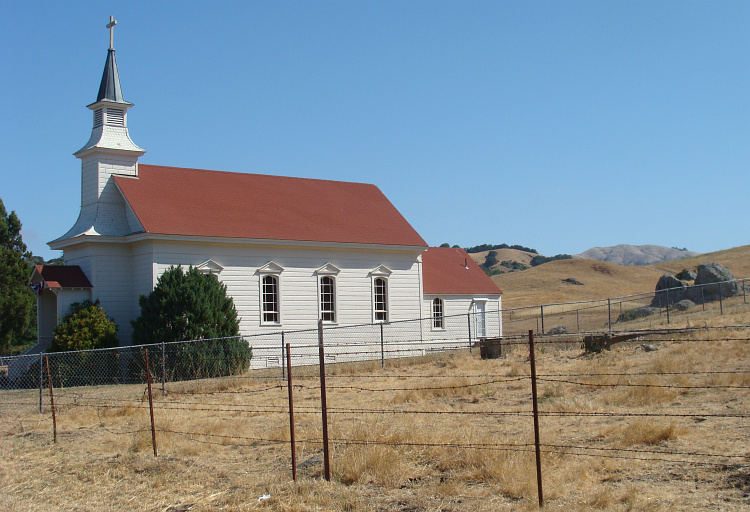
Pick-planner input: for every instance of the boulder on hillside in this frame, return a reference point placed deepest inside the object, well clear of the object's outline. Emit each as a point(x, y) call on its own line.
point(572, 280)
point(558, 330)
point(633, 314)
point(669, 290)
point(686, 275)
point(684, 305)
point(713, 281)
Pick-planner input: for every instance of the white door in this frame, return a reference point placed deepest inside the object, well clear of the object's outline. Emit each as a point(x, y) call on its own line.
point(480, 319)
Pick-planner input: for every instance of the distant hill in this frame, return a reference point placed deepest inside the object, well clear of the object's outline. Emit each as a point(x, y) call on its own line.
point(638, 255)
point(549, 283)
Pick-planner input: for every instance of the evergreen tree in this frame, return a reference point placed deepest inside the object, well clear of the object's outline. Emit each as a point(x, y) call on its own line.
point(16, 300)
point(192, 306)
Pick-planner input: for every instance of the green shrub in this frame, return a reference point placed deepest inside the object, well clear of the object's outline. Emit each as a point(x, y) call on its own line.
point(86, 327)
point(539, 260)
point(191, 306)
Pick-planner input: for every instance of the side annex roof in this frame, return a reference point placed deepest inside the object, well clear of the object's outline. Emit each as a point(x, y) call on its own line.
point(60, 276)
point(451, 271)
point(196, 202)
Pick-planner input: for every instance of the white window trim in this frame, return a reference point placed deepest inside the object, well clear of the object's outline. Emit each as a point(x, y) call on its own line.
point(272, 269)
point(332, 271)
point(432, 313)
point(335, 299)
point(384, 273)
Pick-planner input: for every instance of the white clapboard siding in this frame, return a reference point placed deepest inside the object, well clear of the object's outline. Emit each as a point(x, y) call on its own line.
point(299, 280)
point(458, 311)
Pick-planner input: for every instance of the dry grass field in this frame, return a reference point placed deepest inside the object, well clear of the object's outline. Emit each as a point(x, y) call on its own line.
point(623, 430)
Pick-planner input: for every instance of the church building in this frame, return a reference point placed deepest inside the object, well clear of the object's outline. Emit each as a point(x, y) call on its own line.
point(290, 250)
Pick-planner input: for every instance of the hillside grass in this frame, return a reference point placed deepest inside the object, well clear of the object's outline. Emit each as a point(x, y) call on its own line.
point(544, 284)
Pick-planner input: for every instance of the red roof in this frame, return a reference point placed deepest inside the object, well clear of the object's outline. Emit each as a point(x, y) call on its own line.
point(449, 271)
point(63, 276)
point(196, 202)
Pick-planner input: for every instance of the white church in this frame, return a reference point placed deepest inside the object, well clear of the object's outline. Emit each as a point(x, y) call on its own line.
point(291, 251)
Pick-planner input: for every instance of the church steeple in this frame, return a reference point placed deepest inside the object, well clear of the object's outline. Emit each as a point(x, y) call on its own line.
point(110, 130)
point(109, 152)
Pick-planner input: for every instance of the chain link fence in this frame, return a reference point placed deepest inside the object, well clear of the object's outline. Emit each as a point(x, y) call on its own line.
point(368, 343)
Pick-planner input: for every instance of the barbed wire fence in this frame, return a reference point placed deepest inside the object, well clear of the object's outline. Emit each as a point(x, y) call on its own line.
point(271, 396)
point(349, 357)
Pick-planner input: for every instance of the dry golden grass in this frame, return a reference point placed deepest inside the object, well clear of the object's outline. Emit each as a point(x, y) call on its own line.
point(218, 449)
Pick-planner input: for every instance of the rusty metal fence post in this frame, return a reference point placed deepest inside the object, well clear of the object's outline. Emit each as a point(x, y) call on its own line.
point(323, 403)
point(150, 403)
point(291, 410)
point(536, 420)
point(51, 400)
point(41, 380)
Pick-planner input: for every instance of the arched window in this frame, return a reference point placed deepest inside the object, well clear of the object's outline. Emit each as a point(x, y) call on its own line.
point(437, 314)
point(327, 299)
point(381, 299)
point(270, 294)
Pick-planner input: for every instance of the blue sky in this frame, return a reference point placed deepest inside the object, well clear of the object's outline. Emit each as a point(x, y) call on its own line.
point(555, 125)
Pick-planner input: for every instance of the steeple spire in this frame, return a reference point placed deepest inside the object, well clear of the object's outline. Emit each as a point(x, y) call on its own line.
point(110, 88)
point(110, 130)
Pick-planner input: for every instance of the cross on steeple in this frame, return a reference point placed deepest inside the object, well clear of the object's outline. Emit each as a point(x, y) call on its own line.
point(111, 27)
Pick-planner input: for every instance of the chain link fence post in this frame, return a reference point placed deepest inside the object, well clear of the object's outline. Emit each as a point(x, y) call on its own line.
point(382, 348)
point(41, 381)
point(283, 355)
point(541, 311)
point(163, 369)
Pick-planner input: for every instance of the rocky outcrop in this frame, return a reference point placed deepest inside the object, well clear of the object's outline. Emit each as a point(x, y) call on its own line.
point(686, 275)
point(712, 278)
point(712, 281)
point(669, 290)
